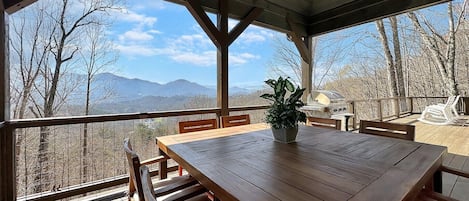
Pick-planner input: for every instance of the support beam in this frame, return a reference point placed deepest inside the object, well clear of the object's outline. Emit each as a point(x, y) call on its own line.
point(195, 8)
point(222, 40)
point(298, 40)
point(243, 24)
point(222, 59)
point(7, 139)
point(307, 68)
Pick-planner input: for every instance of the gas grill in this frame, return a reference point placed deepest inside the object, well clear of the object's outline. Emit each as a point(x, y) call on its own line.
point(327, 104)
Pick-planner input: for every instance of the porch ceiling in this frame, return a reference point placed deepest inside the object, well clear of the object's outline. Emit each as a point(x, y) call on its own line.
point(312, 17)
point(315, 17)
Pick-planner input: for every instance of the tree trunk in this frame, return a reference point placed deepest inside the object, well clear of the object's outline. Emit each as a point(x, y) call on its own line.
point(444, 60)
point(398, 63)
point(389, 59)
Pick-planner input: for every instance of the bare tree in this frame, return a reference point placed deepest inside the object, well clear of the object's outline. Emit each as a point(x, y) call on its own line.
point(97, 57)
point(287, 61)
point(49, 62)
point(29, 55)
point(441, 46)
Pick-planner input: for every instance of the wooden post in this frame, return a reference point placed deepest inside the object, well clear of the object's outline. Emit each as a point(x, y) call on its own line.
point(7, 139)
point(304, 46)
point(354, 122)
point(222, 58)
point(222, 39)
point(411, 102)
point(466, 105)
point(397, 107)
point(307, 68)
point(380, 110)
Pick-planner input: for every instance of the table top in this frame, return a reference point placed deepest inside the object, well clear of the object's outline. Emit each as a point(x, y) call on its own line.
point(245, 163)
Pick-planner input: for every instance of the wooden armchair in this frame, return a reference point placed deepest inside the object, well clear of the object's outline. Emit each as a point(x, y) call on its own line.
point(197, 125)
point(238, 120)
point(428, 194)
point(185, 186)
point(324, 123)
point(394, 130)
point(194, 193)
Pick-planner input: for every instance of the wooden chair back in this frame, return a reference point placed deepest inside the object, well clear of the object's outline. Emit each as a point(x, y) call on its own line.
point(147, 185)
point(135, 181)
point(198, 125)
point(238, 120)
point(394, 130)
point(325, 123)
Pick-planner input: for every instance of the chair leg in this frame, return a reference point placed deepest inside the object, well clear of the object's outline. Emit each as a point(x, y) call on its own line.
point(180, 170)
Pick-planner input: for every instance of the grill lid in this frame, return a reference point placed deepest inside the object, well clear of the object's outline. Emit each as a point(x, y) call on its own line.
point(324, 97)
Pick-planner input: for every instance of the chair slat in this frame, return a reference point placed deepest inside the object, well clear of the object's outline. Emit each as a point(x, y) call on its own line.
point(238, 120)
point(325, 123)
point(198, 125)
point(394, 130)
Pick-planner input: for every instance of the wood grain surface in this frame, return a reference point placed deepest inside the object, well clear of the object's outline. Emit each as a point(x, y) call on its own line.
point(245, 163)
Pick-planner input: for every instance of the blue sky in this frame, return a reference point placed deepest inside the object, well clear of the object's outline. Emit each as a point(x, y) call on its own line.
point(161, 42)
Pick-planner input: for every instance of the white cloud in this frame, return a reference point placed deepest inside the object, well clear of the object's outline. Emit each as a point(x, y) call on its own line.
point(251, 37)
point(131, 16)
point(135, 36)
point(207, 58)
point(149, 4)
point(137, 50)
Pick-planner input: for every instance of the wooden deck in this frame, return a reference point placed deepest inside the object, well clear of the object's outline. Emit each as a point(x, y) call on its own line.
point(456, 138)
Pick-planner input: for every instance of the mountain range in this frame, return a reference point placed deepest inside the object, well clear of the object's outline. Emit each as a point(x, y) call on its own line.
point(125, 89)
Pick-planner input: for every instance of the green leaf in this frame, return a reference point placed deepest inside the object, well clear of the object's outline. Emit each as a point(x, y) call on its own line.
point(268, 97)
point(289, 85)
point(271, 82)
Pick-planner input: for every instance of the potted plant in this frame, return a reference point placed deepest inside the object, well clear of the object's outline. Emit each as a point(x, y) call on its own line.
point(283, 114)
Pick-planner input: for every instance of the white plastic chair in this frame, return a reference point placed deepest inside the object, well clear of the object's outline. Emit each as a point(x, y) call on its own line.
point(441, 114)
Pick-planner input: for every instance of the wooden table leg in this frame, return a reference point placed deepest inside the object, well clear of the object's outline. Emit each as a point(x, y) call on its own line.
point(163, 169)
point(438, 182)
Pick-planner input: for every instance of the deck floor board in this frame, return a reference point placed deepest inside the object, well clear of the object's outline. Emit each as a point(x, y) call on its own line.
point(456, 138)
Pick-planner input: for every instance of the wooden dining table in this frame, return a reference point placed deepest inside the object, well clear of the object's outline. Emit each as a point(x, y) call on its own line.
point(245, 163)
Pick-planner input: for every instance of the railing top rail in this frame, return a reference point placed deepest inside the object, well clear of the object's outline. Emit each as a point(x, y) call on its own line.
point(429, 97)
point(54, 121)
point(393, 98)
point(377, 99)
point(245, 108)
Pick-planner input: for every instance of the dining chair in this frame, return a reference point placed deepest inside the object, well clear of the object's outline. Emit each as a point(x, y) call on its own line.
point(394, 130)
point(197, 125)
point(238, 120)
point(185, 186)
point(324, 122)
point(428, 194)
point(195, 193)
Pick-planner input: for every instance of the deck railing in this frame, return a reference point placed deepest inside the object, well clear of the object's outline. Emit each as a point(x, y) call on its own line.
point(71, 170)
point(388, 108)
point(106, 166)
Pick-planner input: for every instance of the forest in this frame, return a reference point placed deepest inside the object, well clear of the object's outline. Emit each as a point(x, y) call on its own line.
point(421, 53)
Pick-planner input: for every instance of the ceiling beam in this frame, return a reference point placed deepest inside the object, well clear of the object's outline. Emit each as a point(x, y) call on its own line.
point(273, 16)
point(362, 11)
point(12, 6)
